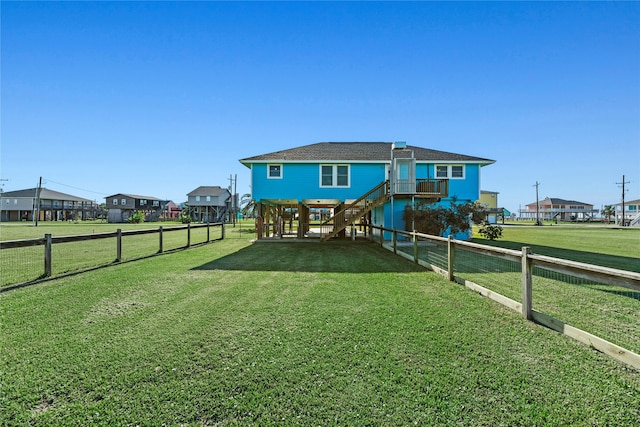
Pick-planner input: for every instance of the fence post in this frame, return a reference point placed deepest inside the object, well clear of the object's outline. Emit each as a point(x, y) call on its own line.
point(527, 284)
point(188, 235)
point(395, 241)
point(208, 232)
point(118, 245)
point(222, 237)
point(381, 237)
point(47, 255)
point(415, 248)
point(450, 258)
point(160, 249)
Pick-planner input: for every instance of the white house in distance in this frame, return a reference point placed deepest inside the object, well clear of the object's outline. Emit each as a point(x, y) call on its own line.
point(631, 213)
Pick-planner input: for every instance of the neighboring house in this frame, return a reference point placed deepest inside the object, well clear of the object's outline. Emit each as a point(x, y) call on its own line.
point(490, 201)
point(209, 203)
point(355, 182)
point(170, 211)
point(552, 208)
point(46, 205)
point(121, 206)
point(631, 213)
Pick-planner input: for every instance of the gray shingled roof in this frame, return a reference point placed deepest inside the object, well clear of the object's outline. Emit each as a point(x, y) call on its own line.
point(357, 151)
point(45, 194)
point(208, 191)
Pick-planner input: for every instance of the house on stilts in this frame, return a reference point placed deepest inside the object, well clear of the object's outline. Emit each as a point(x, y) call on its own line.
point(329, 189)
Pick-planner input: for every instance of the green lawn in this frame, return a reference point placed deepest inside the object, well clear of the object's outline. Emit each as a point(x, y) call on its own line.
point(600, 245)
point(290, 334)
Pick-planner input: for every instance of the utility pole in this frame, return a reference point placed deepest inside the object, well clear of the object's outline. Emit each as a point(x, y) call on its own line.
point(623, 191)
point(36, 208)
point(537, 184)
point(233, 182)
point(1, 191)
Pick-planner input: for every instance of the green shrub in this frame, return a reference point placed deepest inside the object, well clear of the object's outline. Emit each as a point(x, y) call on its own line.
point(490, 231)
point(136, 218)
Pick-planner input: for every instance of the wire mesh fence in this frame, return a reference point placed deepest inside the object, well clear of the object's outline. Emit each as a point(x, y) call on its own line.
point(597, 305)
point(81, 254)
point(23, 261)
point(499, 275)
point(21, 264)
point(609, 312)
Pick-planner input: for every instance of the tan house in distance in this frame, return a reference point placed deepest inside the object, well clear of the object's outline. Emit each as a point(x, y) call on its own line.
point(564, 210)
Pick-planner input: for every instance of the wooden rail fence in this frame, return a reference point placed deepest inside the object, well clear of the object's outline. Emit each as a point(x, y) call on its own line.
point(49, 242)
point(592, 273)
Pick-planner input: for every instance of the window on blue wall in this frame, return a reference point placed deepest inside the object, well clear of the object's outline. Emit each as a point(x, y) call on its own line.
point(334, 175)
point(450, 171)
point(274, 171)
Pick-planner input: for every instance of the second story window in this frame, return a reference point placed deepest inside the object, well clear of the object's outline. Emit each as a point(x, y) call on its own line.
point(450, 171)
point(143, 202)
point(274, 171)
point(197, 198)
point(334, 175)
point(123, 201)
point(208, 198)
point(115, 202)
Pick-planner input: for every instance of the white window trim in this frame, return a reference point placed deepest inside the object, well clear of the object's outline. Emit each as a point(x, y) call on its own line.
point(334, 178)
point(449, 172)
point(269, 171)
point(115, 202)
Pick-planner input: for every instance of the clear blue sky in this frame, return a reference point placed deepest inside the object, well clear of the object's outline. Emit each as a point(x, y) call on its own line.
point(158, 98)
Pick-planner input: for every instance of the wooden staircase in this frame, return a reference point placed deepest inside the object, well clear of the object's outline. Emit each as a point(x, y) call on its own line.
point(352, 212)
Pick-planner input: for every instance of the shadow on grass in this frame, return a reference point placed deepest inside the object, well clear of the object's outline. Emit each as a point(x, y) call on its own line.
point(332, 257)
point(611, 261)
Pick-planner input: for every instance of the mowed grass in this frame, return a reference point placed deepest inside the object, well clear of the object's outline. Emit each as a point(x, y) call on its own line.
point(613, 247)
point(337, 333)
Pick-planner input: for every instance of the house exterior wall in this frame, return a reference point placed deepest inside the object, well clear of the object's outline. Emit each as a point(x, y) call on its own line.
point(302, 181)
point(219, 200)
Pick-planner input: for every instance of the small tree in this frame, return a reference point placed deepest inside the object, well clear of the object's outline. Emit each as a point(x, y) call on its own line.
point(249, 206)
point(185, 216)
point(438, 220)
point(608, 212)
point(136, 218)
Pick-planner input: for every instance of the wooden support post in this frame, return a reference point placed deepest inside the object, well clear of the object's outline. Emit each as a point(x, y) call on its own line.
point(527, 284)
point(160, 236)
point(188, 235)
point(118, 245)
point(395, 241)
point(450, 258)
point(209, 231)
point(416, 259)
point(223, 232)
point(47, 255)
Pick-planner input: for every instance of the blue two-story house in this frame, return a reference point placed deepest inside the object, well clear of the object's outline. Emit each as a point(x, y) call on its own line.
point(345, 183)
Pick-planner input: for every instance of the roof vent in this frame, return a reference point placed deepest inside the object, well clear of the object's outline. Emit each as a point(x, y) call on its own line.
point(398, 145)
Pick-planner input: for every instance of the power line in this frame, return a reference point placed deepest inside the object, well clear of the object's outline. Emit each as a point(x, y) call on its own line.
point(76, 188)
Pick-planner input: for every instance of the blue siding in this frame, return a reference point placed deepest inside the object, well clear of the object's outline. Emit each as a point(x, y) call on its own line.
point(302, 181)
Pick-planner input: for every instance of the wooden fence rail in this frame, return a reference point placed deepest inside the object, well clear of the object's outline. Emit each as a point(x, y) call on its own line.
point(49, 241)
point(527, 261)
